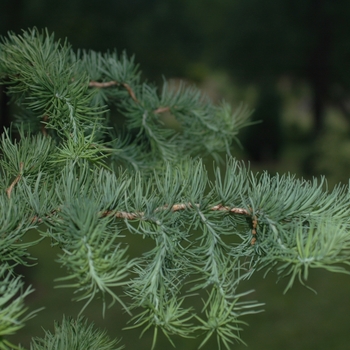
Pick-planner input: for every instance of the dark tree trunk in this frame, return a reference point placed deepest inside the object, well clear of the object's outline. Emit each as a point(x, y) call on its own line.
point(319, 64)
point(5, 119)
point(11, 20)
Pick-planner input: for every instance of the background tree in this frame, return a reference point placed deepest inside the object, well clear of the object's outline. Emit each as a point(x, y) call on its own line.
point(256, 42)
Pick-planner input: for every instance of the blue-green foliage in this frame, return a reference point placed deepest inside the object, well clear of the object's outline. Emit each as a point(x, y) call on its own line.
point(87, 180)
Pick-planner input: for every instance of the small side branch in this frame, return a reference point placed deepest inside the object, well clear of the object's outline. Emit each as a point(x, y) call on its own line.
point(38, 220)
point(43, 126)
point(161, 110)
point(101, 85)
point(107, 84)
point(130, 91)
point(15, 181)
point(254, 227)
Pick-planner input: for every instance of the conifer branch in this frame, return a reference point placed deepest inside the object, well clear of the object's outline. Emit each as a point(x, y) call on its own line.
point(67, 184)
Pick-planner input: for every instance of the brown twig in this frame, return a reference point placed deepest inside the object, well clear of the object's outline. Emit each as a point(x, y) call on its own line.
point(43, 126)
point(130, 91)
point(15, 181)
point(178, 207)
point(161, 110)
point(254, 225)
point(107, 84)
point(37, 219)
point(100, 85)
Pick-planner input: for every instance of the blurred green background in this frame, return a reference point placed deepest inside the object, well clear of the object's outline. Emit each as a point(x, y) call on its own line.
point(287, 59)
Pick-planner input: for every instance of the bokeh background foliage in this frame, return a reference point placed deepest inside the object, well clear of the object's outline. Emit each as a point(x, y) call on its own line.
point(289, 61)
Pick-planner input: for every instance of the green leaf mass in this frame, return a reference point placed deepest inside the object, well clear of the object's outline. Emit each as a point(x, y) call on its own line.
point(96, 155)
